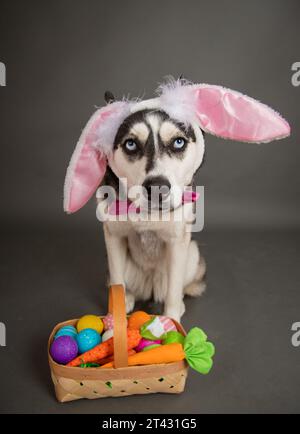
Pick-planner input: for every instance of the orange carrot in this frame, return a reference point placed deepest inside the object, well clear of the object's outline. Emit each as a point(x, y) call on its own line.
point(163, 354)
point(105, 349)
point(111, 358)
point(137, 319)
point(196, 350)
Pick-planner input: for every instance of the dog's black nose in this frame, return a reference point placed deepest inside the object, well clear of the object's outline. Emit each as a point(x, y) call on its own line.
point(157, 188)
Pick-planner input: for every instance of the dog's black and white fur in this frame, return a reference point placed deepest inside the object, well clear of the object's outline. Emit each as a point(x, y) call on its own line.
point(155, 258)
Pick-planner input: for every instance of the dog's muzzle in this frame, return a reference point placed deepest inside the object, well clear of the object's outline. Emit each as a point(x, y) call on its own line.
point(156, 190)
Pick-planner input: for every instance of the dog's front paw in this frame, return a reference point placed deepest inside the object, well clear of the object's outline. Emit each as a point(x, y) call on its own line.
point(175, 312)
point(129, 301)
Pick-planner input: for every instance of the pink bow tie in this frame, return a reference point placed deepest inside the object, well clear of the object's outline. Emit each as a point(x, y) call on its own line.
point(121, 207)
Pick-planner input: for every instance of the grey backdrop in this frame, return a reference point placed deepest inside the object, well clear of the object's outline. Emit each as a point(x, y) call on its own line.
point(60, 58)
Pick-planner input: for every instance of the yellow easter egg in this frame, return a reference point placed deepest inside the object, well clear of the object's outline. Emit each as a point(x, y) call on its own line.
point(90, 322)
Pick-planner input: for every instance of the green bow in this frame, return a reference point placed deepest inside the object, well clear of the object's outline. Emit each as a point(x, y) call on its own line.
point(198, 352)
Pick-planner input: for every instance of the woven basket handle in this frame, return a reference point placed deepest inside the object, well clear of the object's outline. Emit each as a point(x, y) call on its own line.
point(116, 306)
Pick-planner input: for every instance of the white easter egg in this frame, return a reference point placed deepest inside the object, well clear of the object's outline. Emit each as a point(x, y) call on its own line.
point(107, 335)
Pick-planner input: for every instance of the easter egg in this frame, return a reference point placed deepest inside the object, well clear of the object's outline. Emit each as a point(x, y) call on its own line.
point(64, 349)
point(137, 319)
point(145, 343)
point(66, 331)
point(167, 323)
point(157, 328)
point(90, 322)
point(87, 339)
point(107, 335)
point(108, 322)
point(173, 337)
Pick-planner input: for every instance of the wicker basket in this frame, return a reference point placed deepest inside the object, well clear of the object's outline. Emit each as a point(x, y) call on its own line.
point(91, 383)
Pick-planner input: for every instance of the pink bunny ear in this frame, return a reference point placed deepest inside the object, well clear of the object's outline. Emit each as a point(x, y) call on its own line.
point(232, 115)
point(89, 160)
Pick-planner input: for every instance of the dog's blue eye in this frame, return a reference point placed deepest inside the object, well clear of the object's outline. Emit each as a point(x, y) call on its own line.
point(130, 145)
point(179, 143)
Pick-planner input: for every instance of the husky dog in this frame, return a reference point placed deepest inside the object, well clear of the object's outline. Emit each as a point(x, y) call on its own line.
point(152, 149)
point(158, 144)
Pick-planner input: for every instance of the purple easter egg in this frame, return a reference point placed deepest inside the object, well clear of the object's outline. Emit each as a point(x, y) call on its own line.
point(64, 349)
point(145, 343)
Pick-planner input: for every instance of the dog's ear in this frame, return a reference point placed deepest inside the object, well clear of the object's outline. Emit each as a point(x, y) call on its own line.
point(89, 160)
point(232, 115)
point(109, 97)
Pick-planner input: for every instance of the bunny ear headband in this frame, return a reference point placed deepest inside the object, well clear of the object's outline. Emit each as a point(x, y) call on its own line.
point(217, 110)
